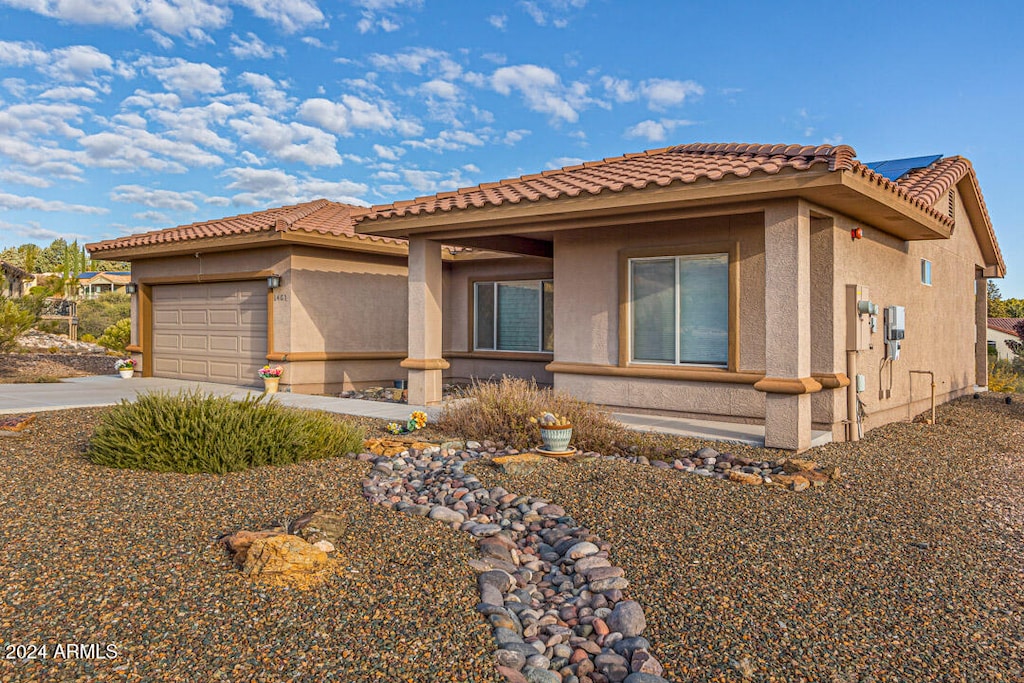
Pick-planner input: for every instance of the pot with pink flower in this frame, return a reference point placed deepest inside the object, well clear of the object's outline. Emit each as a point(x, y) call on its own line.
point(271, 378)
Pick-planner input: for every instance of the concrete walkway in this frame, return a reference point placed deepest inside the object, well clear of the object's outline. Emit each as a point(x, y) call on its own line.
point(107, 390)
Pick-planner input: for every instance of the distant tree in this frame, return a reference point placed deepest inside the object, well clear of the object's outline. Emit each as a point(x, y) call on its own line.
point(996, 305)
point(110, 266)
point(96, 315)
point(14, 320)
point(51, 258)
point(1014, 308)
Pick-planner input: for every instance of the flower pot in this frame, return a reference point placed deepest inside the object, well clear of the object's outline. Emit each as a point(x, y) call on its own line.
point(556, 439)
point(270, 384)
point(126, 374)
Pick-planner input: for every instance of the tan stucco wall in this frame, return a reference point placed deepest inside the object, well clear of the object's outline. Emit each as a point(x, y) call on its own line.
point(458, 303)
point(329, 301)
point(941, 326)
point(587, 315)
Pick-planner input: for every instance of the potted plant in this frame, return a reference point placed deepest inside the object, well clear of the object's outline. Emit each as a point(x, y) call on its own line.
point(555, 432)
point(271, 378)
point(125, 367)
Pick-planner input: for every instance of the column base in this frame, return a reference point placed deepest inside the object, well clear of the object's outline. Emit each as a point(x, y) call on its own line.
point(425, 387)
point(787, 421)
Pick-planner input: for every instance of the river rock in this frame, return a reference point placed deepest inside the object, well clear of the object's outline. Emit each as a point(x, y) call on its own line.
point(628, 619)
point(443, 514)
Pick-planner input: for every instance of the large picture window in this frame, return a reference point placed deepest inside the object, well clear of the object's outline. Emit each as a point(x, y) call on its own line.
point(514, 316)
point(679, 309)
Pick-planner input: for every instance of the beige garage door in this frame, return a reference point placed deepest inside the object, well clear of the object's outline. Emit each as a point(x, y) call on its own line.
point(214, 332)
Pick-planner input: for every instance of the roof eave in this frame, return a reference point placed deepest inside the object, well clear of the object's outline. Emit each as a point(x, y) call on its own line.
point(974, 205)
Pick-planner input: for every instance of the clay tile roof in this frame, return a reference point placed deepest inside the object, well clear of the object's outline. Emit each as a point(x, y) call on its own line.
point(1006, 325)
point(13, 271)
point(317, 216)
point(656, 167)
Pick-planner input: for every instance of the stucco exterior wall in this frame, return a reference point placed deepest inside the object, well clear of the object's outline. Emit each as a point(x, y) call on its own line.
point(587, 325)
point(941, 329)
point(457, 334)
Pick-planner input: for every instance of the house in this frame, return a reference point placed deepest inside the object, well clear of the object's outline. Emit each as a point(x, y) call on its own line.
point(790, 286)
point(733, 282)
point(14, 280)
point(1000, 331)
point(91, 284)
point(295, 285)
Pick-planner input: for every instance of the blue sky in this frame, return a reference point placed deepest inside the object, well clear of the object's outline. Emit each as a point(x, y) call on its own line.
point(120, 116)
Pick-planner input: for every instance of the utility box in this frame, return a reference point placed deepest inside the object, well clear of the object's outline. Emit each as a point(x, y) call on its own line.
point(895, 330)
point(860, 316)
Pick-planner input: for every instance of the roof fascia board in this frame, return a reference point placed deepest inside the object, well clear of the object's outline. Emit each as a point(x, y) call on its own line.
point(888, 201)
point(970, 193)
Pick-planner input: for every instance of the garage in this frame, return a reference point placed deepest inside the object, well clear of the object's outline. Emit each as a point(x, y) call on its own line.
point(214, 332)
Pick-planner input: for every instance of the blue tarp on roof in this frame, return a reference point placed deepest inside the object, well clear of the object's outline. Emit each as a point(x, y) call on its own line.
point(894, 169)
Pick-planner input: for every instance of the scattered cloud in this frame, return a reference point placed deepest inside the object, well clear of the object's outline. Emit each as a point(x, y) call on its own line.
point(183, 77)
point(251, 47)
point(152, 217)
point(290, 15)
point(273, 186)
point(385, 15)
point(542, 90)
point(20, 202)
point(498, 21)
point(562, 162)
point(388, 153)
point(655, 131)
point(156, 199)
point(448, 140)
point(660, 93)
point(354, 113)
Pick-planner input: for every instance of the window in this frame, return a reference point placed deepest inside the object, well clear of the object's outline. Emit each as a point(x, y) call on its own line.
point(514, 316)
point(679, 309)
point(926, 272)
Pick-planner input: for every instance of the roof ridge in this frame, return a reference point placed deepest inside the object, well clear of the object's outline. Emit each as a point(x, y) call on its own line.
point(300, 211)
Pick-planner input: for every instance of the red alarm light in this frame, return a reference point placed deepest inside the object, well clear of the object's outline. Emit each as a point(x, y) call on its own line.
point(857, 233)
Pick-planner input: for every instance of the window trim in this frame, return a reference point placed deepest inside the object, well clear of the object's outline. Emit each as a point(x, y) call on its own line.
point(471, 328)
point(731, 248)
point(928, 282)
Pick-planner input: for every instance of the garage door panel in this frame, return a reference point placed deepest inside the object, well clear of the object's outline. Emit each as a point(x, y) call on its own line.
point(211, 331)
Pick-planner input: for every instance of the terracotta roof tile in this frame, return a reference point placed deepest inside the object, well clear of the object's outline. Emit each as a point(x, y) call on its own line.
point(318, 216)
point(659, 167)
point(1004, 324)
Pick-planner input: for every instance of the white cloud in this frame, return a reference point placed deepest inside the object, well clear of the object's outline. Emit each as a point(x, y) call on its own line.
point(382, 14)
point(388, 153)
point(542, 90)
point(69, 92)
point(76, 63)
point(353, 112)
point(655, 131)
point(562, 162)
point(27, 120)
point(289, 141)
point(19, 178)
point(33, 231)
point(418, 60)
point(535, 12)
point(250, 158)
point(160, 39)
point(156, 199)
point(270, 92)
point(274, 186)
point(514, 136)
point(498, 21)
point(290, 15)
point(218, 201)
point(432, 182)
point(448, 140)
point(621, 90)
point(662, 93)
point(152, 216)
point(253, 48)
point(21, 202)
point(186, 78)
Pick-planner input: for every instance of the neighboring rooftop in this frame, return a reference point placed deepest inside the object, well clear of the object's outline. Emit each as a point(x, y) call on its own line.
point(11, 270)
point(1006, 325)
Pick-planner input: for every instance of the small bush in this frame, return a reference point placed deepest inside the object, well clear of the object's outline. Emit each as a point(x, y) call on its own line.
point(14, 321)
point(97, 315)
point(1002, 377)
point(501, 411)
point(195, 432)
point(117, 336)
point(86, 338)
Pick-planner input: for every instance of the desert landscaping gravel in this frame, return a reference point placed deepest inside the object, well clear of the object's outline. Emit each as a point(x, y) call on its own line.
point(910, 568)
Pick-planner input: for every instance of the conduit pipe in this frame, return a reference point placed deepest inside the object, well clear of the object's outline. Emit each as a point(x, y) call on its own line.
point(851, 395)
point(932, 376)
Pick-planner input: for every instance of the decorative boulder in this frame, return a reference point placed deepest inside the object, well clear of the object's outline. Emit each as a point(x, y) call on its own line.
point(282, 556)
point(319, 525)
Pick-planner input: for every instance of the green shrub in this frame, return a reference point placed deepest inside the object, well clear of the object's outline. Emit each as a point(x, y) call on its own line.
point(1004, 378)
point(500, 411)
point(86, 338)
point(117, 336)
point(195, 432)
point(14, 321)
point(96, 315)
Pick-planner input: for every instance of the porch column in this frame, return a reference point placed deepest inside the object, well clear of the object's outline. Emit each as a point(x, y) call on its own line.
point(424, 362)
point(787, 305)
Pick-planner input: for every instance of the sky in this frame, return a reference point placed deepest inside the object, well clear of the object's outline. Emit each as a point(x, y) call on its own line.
point(124, 116)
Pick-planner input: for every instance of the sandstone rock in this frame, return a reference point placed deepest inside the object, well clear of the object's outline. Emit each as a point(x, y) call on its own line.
point(745, 478)
point(520, 464)
point(815, 478)
point(282, 555)
point(834, 473)
point(238, 543)
point(793, 465)
point(319, 525)
point(326, 546)
point(793, 481)
point(628, 619)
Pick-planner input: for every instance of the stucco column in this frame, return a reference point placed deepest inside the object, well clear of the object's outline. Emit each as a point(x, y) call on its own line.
point(424, 362)
point(787, 304)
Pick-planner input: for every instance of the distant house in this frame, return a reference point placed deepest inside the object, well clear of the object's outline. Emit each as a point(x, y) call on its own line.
point(14, 280)
point(1000, 331)
point(732, 282)
point(93, 283)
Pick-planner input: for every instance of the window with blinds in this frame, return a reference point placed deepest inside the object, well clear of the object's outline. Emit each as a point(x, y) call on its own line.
point(514, 316)
point(679, 309)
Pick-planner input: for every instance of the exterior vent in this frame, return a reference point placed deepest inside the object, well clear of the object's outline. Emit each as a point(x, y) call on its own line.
point(952, 204)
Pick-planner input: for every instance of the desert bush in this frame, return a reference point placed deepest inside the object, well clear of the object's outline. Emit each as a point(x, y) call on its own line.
point(86, 338)
point(117, 336)
point(95, 316)
point(14, 321)
point(195, 432)
point(501, 411)
point(1003, 377)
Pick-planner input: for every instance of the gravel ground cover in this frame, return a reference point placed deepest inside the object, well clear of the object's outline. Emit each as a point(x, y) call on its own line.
point(910, 569)
point(18, 368)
